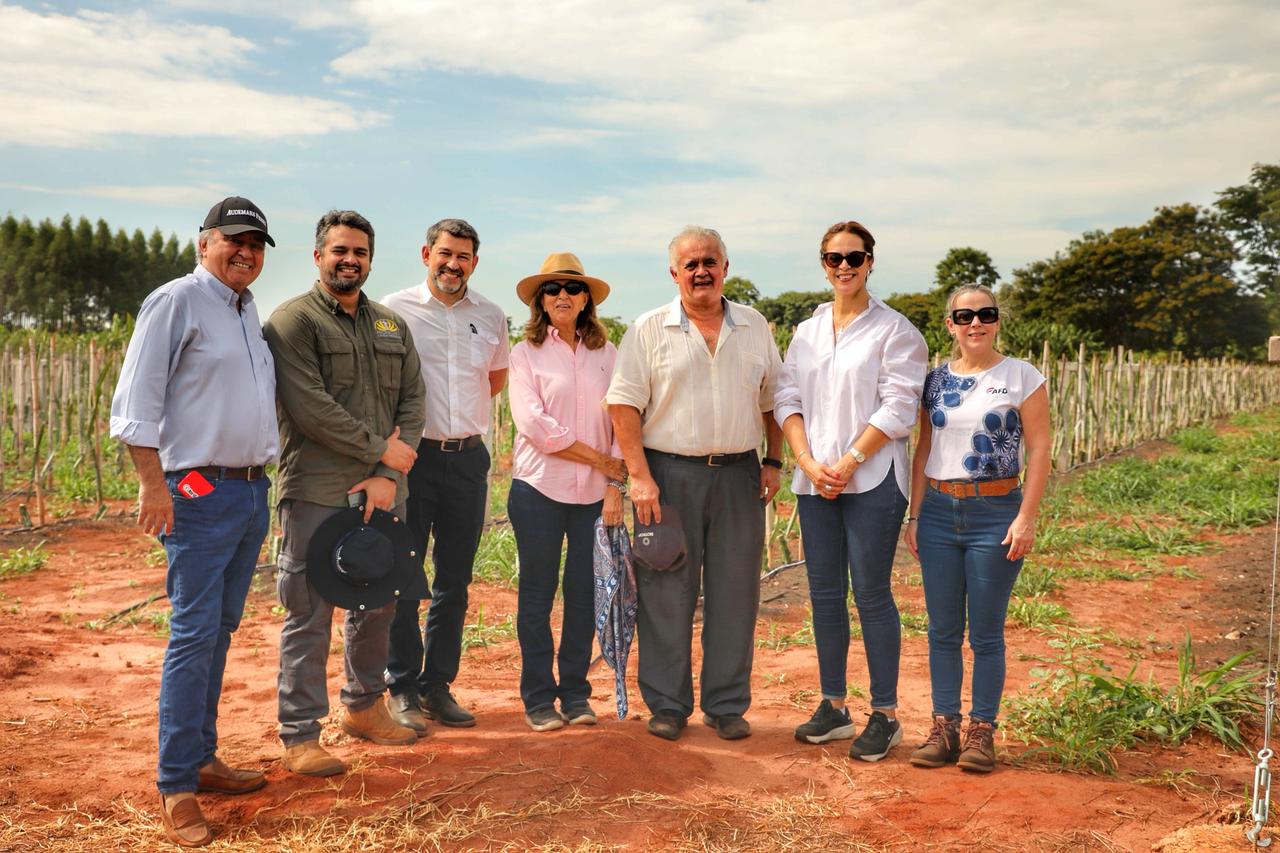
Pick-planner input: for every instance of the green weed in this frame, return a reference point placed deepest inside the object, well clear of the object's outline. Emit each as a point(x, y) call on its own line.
point(1035, 612)
point(1200, 439)
point(1035, 580)
point(483, 634)
point(23, 561)
point(496, 559)
point(913, 624)
point(778, 639)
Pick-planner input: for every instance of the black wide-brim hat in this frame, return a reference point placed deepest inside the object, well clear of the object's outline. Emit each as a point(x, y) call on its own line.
point(358, 566)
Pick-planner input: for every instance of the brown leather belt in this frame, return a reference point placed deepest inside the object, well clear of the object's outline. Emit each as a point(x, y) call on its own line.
point(974, 488)
point(452, 445)
point(214, 472)
point(714, 460)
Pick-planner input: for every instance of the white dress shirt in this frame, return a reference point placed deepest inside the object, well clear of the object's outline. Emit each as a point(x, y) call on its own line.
point(198, 382)
point(872, 373)
point(459, 345)
point(691, 402)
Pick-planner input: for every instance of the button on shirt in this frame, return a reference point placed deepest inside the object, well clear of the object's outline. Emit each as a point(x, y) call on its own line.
point(197, 381)
point(459, 346)
point(691, 402)
point(557, 398)
point(871, 374)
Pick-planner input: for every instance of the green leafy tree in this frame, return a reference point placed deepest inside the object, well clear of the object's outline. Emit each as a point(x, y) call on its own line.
point(739, 289)
point(1164, 285)
point(1251, 215)
point(964, 265)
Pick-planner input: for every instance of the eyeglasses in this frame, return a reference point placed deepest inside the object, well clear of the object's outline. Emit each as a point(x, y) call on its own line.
point(964, 316)
point(855, 259)
point(573, 288)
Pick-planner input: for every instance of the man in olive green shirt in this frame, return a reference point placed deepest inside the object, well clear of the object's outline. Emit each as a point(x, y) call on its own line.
point(351, 410)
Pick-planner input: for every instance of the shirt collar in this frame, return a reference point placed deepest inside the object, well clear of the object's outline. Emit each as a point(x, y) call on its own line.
point(827, 307)
point(332, 304)
point(215, 288)
point(676, 315)
point(427, 297)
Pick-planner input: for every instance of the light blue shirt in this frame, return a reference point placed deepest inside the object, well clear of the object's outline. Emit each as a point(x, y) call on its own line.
point(198, 382)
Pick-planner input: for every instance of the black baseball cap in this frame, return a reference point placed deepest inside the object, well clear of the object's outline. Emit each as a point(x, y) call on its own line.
point(236, 215)
point(660, 547)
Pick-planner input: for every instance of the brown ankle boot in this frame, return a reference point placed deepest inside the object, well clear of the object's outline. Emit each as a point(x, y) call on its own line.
point(979, 754)
point(374, 723)
point(942, 746)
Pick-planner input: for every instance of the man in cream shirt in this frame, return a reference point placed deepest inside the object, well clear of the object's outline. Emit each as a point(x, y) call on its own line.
point(691, 400)
point(462, 340)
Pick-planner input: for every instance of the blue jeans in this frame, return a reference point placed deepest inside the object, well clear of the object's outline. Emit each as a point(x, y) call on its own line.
point(541, 526)
point(212, 552)
point(965, 569)
point(853, 539)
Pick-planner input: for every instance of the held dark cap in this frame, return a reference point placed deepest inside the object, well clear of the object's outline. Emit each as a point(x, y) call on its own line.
point(358, 566)
point(236, 215)
point(660, 547)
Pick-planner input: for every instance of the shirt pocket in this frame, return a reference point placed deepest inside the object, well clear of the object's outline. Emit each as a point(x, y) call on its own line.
point(390, 355)
point(337, 362)
point(752, 369)
point(482, 347)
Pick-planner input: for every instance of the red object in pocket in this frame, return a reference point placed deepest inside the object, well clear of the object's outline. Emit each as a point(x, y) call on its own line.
point(194, 485)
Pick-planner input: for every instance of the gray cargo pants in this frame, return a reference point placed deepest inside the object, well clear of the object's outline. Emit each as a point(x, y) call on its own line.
point(302, 689)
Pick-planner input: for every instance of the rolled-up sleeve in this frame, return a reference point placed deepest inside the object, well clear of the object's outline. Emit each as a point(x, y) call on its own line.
point(630, 385)
point(137, 407)
point(531, 417)
point(786, 397)
point(302, 394)
point(902, 371)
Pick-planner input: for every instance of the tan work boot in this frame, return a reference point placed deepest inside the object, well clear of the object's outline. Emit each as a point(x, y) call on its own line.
point(979, 753)
point(311, 759)
point(183, 822)
point(942, 746)
point(374, 723)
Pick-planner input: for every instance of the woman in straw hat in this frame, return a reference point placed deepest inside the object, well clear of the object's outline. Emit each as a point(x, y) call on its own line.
point(566, 473)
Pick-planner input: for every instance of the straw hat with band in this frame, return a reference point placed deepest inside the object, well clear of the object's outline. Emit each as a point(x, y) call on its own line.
point(561, 266)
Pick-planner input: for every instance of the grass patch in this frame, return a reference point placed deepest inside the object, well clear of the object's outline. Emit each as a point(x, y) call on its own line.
point(482, 634)
point(1035, 579)
point(23, 561)
point(1199, 439)
point(496, 559)
point(778, 638)
point(914, 624)
point(1079, 715)
point(1037, 613)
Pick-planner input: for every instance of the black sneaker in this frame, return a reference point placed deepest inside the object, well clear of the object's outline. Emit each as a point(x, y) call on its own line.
point(826, 724)
point(881, 735)
point(544, 719)
point(439, 705)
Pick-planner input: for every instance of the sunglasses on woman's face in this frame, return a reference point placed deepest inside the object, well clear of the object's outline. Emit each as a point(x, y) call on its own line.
point(964, 316)
point(573, 288)
point(855, 259)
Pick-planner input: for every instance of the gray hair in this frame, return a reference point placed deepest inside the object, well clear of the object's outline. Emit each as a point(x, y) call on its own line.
point(459, 228)
point(202, 239)
point(345, 218)
point(696, 232)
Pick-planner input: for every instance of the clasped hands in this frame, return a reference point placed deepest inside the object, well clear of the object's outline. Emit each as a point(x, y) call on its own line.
point(829, 480)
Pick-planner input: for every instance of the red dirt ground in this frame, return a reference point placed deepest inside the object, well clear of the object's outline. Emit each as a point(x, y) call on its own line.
point(78, 720)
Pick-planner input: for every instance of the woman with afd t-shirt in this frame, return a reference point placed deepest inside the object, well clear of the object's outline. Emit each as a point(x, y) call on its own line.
point(971, 522)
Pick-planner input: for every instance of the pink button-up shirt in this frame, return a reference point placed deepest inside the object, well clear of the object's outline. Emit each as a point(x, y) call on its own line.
point(557, 398)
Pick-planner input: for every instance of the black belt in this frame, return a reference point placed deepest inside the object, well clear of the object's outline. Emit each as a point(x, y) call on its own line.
point(453, 445)
point(214, 472)
point(713, 460)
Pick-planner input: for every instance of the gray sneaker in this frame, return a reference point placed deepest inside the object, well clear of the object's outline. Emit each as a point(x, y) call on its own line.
point(578, 714)
point(544, 719)
point(405, 711)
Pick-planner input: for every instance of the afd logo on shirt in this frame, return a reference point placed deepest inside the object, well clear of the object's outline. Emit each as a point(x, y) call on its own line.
point(994, 390)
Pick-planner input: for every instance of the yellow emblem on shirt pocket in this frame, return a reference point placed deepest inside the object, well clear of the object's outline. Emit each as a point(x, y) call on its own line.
point(385, 326)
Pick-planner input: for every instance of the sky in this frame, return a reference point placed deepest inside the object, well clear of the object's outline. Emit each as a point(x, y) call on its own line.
point(602, 127)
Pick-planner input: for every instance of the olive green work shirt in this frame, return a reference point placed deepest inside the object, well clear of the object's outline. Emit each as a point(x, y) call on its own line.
point(343, 384)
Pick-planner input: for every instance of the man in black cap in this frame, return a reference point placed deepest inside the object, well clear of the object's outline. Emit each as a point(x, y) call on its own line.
point(351, 413)
point(195, 403)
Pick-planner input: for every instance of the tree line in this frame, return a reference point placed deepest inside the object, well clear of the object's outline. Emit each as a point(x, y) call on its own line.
point(77, 276)
point(1200, 281)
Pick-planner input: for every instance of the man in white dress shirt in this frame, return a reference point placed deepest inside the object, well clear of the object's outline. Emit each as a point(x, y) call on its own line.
point(463, 343)
point(691, 399)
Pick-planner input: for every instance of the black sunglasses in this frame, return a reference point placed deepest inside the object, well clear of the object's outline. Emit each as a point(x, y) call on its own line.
point(573, 288)
point(855, 259)
point(964, 316)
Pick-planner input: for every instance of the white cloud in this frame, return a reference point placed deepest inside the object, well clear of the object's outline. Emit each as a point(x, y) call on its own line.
point(71, 80)
point(187, 194)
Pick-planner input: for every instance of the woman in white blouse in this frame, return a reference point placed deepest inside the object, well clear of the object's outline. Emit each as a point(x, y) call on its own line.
point(972, 521)
point(847, 401)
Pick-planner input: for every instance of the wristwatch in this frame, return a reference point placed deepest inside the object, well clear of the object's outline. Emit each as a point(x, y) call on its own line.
point(858, 455)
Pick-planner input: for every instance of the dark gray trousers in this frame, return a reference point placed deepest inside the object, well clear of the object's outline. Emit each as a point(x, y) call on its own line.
point(724, 534)
point(302, 688)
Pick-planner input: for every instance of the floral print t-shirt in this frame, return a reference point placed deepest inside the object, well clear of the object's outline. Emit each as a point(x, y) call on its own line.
point(977, 428)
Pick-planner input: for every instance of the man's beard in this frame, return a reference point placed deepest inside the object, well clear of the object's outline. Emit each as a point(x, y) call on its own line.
point(340, 285)
point(444, 288)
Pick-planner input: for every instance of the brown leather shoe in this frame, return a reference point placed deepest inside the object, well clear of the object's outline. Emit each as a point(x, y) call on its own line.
point(217, 778)
point(728, 726)
point(183, 822)
point(979, 753)
point(942, 746)
point(311, 759)
point(374, 723)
